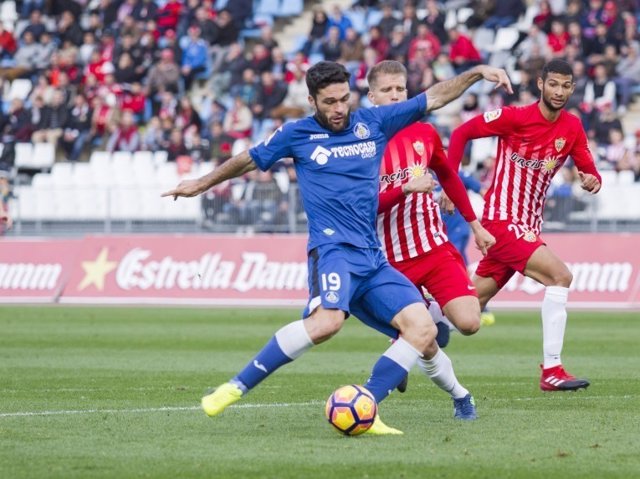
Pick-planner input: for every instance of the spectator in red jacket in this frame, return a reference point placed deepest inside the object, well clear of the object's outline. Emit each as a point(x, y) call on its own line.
point(426, 40)
point(8, 45)
point(462, 53)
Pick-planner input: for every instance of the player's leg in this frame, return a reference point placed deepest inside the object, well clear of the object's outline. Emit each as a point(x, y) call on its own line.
point(426, 272)
point(286, 345)
point(416, 328)
point(437, 366)
point(546, 268)
point(324, 316)
point(450, 285)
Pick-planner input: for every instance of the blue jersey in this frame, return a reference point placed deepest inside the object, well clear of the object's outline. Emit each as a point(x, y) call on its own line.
point(338, 171)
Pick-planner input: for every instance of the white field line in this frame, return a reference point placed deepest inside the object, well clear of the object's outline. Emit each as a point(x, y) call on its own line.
point(152, 409)
point(543, 397)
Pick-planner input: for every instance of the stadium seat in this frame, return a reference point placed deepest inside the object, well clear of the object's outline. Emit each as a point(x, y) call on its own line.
point(609, 177)
point(357, 18)
point(160, 157)
point(483, 39)
point(481, 148)
point(269, 7)
point(525, 22)
point(100, 164)
point(44, 155)
point(20, 89)
point(626, 177)
point(451, 19)
point(506, 38)
point(62, 175)
point(82, 175)
point(464, 14)
point(291, 8)
point(26, 204)
point(373, 17)
point(91, 203)
point(8, 13)
point(282, 180)
point(24, 155)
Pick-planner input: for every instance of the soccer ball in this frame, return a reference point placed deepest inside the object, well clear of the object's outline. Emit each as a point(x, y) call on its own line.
point(351, 410)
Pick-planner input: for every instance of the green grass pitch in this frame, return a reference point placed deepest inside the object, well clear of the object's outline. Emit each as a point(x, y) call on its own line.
point(114, 393)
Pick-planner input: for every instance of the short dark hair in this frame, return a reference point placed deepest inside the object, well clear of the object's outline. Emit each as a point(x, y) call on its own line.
point(385, 67)
point(557, 66)
point(323, 74)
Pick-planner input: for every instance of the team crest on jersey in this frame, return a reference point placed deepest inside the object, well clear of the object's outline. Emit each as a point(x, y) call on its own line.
point(559, 144)
point(419, 147)
point(361, 131)
point(332, 297)
point(493, 115)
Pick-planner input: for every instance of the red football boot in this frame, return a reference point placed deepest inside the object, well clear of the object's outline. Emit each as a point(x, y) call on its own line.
point(557, 379)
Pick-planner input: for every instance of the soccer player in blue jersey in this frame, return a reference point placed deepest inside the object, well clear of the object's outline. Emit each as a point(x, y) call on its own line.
point(337, 157)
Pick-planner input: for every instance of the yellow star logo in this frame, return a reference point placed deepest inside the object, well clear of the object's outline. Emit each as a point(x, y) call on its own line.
point(96, 271)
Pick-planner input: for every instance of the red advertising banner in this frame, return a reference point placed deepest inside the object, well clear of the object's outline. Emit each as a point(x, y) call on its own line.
point(190, 270)
point(34, 271)
point(605, 268)
point(264, 270)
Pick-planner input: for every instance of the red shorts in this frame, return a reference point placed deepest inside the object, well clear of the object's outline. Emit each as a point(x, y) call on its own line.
point(441, 271)
point(514, 246)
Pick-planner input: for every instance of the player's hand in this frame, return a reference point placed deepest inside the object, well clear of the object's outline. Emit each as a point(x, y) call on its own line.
point(589, 182)
point(421, 184)
point(186, 189)
point(497, 76)
point(446, 204)
point(484, 239)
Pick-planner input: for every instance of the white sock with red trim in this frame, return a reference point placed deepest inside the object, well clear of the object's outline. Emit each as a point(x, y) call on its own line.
point(554, 321)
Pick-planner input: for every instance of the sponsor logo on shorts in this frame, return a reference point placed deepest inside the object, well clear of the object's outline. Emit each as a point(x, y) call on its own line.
point(523, 232)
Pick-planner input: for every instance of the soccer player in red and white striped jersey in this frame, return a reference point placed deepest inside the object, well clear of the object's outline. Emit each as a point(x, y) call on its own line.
point(534, 142)
point(411, 229)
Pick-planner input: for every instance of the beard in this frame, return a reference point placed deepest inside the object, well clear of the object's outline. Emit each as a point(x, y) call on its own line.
point(551, 106)
point(324, 121)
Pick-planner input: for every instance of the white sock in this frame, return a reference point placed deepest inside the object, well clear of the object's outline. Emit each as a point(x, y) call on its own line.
point(440, 370)
point(554, 321)
point(293, 339)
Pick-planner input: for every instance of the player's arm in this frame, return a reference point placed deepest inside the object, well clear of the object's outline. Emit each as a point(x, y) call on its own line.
point(236, 166)
point(590, 179)
point(392, 196)
point(446, 91)
point(455, 189)
point(491, 123)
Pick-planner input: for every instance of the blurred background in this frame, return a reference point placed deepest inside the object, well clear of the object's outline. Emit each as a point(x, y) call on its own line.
point(106, 103)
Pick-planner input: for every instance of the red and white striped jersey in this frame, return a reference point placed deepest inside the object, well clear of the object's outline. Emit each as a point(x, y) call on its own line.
point(531, 149)
point(409, 226)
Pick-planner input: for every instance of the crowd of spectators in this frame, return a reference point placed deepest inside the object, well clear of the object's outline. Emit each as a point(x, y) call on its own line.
point(181, 76)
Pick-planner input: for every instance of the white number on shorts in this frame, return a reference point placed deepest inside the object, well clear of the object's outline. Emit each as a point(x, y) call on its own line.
point(330, 281)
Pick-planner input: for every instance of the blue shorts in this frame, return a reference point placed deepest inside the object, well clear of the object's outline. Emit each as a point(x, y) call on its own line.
point(360, 282)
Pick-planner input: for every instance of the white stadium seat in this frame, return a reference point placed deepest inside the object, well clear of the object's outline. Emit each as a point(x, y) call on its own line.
point(20, 89)
point(506, 38)
point(44, 155)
